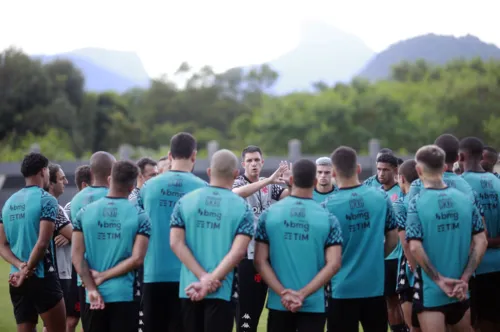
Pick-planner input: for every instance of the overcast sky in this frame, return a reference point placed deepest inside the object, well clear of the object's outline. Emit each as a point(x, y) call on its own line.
point(228, 33)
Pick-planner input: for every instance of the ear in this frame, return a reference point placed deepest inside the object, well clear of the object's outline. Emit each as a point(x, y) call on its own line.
point(290, 180)
point(419, 170)
point(209, 172)
point(236, 172)
point(358, 169)
point(170, 156)
point(445, 168)
point(193, 156)
point(243, 164)
point(315, 182)
point(461, 157)
point(109, 180)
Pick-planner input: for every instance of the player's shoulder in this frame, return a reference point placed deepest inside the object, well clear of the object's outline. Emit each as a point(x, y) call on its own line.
point(417, 183)
point(47, 198)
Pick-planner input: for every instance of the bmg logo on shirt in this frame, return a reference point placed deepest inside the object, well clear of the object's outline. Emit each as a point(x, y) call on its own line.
point(105, 224)
point(211, 214)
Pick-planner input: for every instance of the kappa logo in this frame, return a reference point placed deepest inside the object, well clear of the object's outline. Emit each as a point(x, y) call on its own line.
point(245, 325)
point(246, 316)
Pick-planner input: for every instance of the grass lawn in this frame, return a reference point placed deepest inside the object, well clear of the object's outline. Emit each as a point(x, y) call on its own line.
point(8, 324)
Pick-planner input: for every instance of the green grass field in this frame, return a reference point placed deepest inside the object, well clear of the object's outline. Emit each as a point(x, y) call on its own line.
point(8, 324)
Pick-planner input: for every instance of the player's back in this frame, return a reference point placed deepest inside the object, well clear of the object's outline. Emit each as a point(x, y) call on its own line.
point(86, 196)
point(211, 218)
point(158, 197)
point(443, 220)
point(364, 214)
point(109, 226)
point(487, 187)
point(298, 231)
point(451, 180)
point(21, 217)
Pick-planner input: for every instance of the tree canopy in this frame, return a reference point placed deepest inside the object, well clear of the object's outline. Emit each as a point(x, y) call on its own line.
point(47, 104)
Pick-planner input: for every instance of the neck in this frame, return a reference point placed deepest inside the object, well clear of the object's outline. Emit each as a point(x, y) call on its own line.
point(324, 189)
point(405, 188)
point(347, 182)
point(182, 165)
point(53, 194)
point(100, 183)
point(435, 182)
point(32, 181)
point(389, 185)
point(473, 166)
point(222, 183)
point(139, 183)
point(253, 178)
point(302, 192)
point(116, 193)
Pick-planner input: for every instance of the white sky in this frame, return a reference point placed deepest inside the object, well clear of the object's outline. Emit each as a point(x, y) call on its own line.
point(228, 33)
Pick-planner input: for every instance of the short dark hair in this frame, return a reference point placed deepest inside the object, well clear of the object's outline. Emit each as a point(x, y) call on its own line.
point(124, 174)
point(345, 161)
point(450, 146)
point(33, 163)
point(163, 158)
point(473, 146)
point(53, 169)
point(304, 173)
point(250, 149)
point(491, 153)
point(182, 145)
point(433, 158)
point(388, 159)
point(408, 170)
point(143, 162)
point(400, 161)
point(82, 174)
point(385, 151)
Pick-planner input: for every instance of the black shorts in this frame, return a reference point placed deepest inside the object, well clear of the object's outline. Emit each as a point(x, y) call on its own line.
point(284, 321)
point(486, 290)
point(211, 315)
point(71, 297)
point(35, 296)
point(252, 293)
point(346, 314)
point(115, 317)
point(161, 307)
point(453, 313)
point(406, 295)
point(391, 277)
point(84, 306)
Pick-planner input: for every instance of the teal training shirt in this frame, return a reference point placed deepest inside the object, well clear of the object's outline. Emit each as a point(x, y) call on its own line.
point(365, 215)
point(372, 181)
point(298, 231)
point(158, 197)
point(21, 216)
point(400, 207)
point(83, 198)
point(445, 221)
point(211, 218)
point(110, 226)
point(321, 197)
point(487, 186)
point(394, 193)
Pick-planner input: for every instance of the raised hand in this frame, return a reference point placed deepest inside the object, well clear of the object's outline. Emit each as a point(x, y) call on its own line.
point(277, 176)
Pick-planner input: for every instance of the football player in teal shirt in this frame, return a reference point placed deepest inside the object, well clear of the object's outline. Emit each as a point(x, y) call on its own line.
point(407, 173)
point(110, 240)
point(373, 180)
point(27, 225)
point(324, 186)
point(101, 163)
point(442, 220)
point(298, 251)
point(487, 279)
point(387, 170)
point(489, 161)
point(162, 268)
point(366, 219)
point(210, 232)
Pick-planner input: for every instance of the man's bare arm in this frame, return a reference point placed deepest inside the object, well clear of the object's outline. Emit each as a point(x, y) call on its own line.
point(67, 231)
point(333, 256)
point(44, 238)
point(182, 251)
point(251, 188)
point(80, 263)
point(6, 252)
point(131, 263)
point(391, 241)
point(417, 250)
point(233, 257)
point(262, 265)
point(478, 248)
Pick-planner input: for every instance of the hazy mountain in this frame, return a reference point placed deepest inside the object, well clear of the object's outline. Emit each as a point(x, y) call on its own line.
point(101, 74)
point(432, 48)
point(324, 53)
